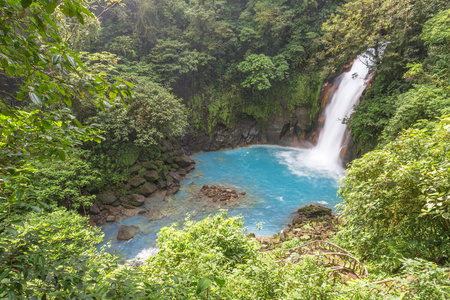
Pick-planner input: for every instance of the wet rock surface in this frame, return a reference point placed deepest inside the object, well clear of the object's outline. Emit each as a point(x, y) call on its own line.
point(285, 128)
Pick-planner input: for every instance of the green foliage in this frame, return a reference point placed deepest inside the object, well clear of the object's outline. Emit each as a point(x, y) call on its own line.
point(219, 234)
point(421, 102)
point(172, 59)
point(435, 68)
point(53, 255)
point(396, 200)
point(123, 46)
point(220, 52)
point(52, 75)
point(153, 115)
point(50, 255)
point(362, 24)
point(69, 183)
point(261, 69)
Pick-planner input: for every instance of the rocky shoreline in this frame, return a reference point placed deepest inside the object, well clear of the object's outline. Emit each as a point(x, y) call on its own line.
point(310, 222)
point(146, 180)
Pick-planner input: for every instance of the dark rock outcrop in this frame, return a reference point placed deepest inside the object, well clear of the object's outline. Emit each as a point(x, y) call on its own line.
point(147, 189)
point(219, 194)
point(137, 182)
point(285, 127)
point(184, 161)
point(137, 200)
point(314, 211)
point(106, 198)
point(151, 176)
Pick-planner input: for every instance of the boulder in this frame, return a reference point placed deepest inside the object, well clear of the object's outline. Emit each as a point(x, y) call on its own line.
point(106, 198)
point(137, 182)
point(149, 165)
point(151, 176)
point(296, 221)
point(127, 232)
point(190, 168)
point(147, 189)
point(111, 208)
point(314, 211)
point(128, 206)
point(176, 177)
point(110, 218)
point(184, 161)
point(137, 200)
point(173, 190)
point(94, 210)
point(162, 184)
point(135, 169)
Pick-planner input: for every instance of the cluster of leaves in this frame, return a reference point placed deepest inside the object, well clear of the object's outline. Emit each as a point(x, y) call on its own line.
point(54, 256)
point(69, 183)
point(261, 69)
point(397, 199)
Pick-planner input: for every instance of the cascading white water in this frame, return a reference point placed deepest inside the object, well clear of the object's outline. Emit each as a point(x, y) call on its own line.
point(325, 157)
point(341, 106)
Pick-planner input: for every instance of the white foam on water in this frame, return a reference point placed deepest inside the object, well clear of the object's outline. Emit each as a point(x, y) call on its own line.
point(143, 255)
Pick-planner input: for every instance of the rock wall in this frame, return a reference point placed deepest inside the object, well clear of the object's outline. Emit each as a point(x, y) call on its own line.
point(286, 128)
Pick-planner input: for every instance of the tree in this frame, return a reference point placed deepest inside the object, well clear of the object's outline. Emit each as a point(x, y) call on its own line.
point(50, 77)
point(363, 24)
point(261, 70)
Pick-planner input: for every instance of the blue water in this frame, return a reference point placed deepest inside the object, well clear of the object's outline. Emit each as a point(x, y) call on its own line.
point(277, 180)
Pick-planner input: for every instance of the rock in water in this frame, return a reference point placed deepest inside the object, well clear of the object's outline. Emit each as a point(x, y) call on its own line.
point(127, 232)
point(184, 161)
point(110, 218)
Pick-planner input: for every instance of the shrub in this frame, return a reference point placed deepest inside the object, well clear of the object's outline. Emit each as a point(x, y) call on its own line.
point(396, 200)
point(68, 183)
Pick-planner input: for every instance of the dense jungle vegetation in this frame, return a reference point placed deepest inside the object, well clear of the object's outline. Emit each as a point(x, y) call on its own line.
point(87, 88)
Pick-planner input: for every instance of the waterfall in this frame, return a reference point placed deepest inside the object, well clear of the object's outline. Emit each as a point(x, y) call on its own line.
point(341, 106)
point(325, 156)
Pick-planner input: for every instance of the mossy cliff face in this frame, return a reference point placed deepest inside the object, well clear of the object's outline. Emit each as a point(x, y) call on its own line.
point(283, 116)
